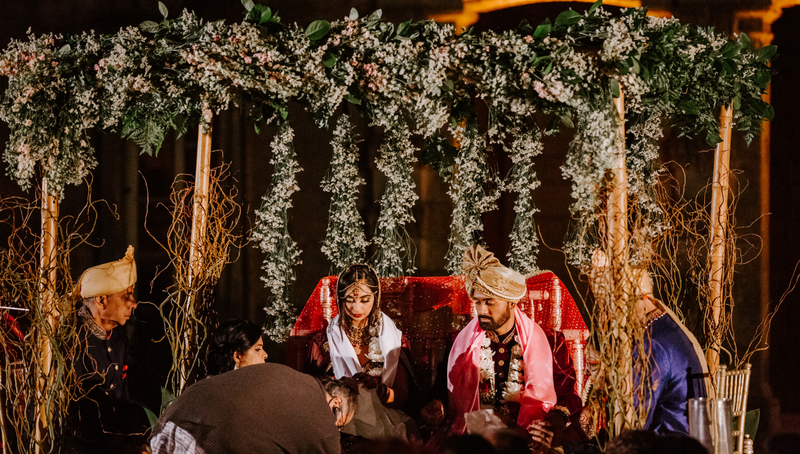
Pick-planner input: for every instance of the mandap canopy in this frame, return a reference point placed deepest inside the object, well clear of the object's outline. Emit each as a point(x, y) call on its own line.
point(413, 79)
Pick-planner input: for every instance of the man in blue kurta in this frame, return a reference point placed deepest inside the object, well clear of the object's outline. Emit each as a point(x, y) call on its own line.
point(677, 366)
point(678, 371)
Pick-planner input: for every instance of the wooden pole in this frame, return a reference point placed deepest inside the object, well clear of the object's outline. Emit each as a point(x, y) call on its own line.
point(49, 310)
point(719, 226)
point(617, 244)
point(199, 225)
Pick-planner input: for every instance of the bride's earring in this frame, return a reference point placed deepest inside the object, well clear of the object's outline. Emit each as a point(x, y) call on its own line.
point(236, 365)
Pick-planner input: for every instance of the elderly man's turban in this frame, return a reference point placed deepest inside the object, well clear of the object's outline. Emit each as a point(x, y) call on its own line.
point(485, 273)
point(108, 278)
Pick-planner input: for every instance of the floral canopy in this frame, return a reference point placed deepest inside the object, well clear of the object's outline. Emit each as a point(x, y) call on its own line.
point(419, 78)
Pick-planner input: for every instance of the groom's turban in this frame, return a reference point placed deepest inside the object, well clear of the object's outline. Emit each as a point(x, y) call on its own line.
point(485, 273)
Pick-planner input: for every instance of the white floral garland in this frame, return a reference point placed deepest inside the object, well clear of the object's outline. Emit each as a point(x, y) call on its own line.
point(524, 238)
point(345, 241)
point(468, 192)
point(395, 250)
point(271, 236)
point(375, 353)
point(515, 383)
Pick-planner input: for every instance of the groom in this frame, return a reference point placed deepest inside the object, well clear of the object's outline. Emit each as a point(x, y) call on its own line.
point(501, 360)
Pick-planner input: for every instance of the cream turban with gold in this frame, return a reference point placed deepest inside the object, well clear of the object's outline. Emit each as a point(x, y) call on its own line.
point(108, 278)
point(485, 273)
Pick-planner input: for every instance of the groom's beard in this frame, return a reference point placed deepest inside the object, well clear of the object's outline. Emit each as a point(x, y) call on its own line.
point(489, 324)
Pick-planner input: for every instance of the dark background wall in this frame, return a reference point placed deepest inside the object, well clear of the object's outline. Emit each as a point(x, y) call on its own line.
point(135, 185)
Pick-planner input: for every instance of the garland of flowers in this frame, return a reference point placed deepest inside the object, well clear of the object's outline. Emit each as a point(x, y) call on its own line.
point(375, 354)
point(395, 255)
point(468, 191)
point(175, 72)
point(345, 242)
point(524, 239)
point(49, 106)
point(271, 235)
point(515, 383)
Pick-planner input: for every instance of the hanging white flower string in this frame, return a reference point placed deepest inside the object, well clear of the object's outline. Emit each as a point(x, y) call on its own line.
point(395, 251)
point(524, 237)
point(345, 241)
point(271, 236)
point(469, 193)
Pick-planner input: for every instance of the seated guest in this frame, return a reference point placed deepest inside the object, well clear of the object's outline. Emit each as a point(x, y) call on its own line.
point(235, 344)
point(501, 360)
point(264, 408)
point(678, 368)
point(103, 418)
point(362, 342)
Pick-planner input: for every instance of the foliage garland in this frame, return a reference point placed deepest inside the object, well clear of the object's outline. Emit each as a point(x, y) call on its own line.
point(176, 72)
point(395, 254)
point(469, 191)
point(524, 239)
point(271, 235)
point(345, 241)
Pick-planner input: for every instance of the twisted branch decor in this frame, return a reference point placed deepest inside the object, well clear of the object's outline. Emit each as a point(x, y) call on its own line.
point(189, 303)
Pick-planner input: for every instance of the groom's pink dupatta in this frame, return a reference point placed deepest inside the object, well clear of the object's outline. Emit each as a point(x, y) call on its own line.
point(463, 374)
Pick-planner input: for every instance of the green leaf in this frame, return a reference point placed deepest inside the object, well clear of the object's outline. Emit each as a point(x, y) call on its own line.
point(318, 29)
point(166, 398)
point(762, 77)
point(548, 69)
point(730, 49)
point(635, 68)
point(163, 8)
point(744, 40)
point(543, 30)
point(248, 4)
point(766, 53)
point(374, 18)
point(149, 26)
point(283, 112)
point(614, 86)
point(751, 420)
point(689, 107)
point(152, 418)
point(567, 18)
point(329, 59)
point(737, 103)
point(266, 15)
point(540, 60)
point(726, 67)
point(712, 138)
point(64, 49)
point(595, 5)
point(567, 121)
point(769, 112)
point(353, 14)
point(352, 99)
point(448, 86)
point(402, 29)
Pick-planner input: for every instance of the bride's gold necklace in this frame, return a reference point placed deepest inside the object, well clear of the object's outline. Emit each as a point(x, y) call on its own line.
point(358, 336)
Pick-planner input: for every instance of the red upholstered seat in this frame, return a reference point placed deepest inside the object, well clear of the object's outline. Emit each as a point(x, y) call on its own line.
point(430, 310)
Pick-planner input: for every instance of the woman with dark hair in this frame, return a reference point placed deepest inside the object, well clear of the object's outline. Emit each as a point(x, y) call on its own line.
point(235, 344)
point(362, 342)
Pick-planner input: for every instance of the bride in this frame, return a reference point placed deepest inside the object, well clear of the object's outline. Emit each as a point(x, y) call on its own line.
point(362, 342)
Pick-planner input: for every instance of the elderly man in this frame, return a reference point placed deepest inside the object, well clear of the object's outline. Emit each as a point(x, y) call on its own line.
point(103, 419)
point(501, 360)
point(263, 408)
